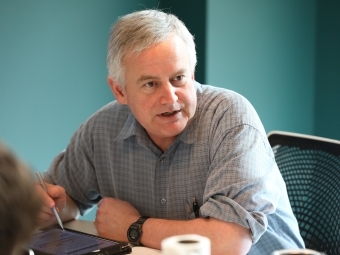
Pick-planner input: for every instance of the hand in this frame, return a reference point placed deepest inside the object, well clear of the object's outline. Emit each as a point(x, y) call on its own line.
point(114, 217)
point(56, 196)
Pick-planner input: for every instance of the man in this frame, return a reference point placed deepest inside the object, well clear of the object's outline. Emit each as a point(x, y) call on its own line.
point(168, 141)
point(19, 204)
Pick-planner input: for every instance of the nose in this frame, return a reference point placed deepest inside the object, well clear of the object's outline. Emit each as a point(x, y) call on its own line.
point(168, 94)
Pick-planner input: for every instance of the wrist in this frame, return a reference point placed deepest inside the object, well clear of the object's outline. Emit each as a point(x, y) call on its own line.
point(135, 232)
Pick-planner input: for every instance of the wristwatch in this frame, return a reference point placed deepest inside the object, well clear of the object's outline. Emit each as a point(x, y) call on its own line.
point(134, 232)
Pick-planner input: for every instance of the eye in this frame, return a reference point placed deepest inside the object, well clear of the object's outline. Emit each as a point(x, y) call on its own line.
point(179, 78)
point(150, 84)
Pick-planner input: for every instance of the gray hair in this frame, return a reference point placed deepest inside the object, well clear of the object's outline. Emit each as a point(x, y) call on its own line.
point(140, 30)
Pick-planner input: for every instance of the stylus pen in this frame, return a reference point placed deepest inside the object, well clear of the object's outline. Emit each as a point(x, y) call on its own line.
point(42, 183)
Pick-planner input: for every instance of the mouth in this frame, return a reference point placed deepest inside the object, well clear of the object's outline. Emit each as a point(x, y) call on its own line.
point(166, 114)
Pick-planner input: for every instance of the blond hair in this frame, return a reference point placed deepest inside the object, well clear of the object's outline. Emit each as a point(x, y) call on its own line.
point(19, 203)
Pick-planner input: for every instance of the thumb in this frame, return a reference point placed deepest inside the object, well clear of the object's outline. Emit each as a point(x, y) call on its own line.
point(54, 191)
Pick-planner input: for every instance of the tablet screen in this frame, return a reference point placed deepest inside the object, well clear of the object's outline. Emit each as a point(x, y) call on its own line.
point(61, 242)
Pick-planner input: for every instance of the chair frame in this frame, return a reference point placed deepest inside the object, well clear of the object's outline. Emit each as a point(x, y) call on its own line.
point(325, 141)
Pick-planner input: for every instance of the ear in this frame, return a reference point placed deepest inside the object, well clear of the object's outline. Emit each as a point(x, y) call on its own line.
point(117, 90)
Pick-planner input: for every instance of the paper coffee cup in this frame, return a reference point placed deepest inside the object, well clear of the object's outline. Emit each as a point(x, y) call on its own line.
point(186, 245)
point(297, 252)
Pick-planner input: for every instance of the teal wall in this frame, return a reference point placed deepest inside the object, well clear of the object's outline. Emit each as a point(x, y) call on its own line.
point(194, 17)
point(53, 71)
point(328, 70)
point(265, 50)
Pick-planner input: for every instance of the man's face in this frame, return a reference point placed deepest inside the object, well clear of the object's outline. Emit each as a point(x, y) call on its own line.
point(159, 89)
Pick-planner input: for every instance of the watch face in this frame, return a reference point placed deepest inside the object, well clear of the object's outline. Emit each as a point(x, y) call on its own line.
point(133, 234)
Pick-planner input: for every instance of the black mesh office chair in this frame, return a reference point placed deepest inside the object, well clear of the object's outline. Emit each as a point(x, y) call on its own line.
point(310, 166)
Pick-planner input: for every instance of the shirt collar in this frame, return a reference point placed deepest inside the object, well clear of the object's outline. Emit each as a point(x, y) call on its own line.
point(129, 128)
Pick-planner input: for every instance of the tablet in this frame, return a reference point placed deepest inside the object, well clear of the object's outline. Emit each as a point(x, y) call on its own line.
point(56, 241)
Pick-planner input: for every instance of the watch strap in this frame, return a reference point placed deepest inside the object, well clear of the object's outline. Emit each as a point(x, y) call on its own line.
point(142, 219)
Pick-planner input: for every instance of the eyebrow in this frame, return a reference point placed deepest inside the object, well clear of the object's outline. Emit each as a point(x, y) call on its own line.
point(147, 77)
point(150, 77)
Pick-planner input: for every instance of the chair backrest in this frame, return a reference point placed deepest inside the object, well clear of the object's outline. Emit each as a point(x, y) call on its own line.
point(310, 166)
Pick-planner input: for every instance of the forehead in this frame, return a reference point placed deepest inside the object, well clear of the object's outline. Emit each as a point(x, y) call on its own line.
point(138, 49)
point(172, 52)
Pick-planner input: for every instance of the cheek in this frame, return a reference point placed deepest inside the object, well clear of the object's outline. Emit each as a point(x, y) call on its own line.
point(192, 106)
point(189, 98)
point(140, 106)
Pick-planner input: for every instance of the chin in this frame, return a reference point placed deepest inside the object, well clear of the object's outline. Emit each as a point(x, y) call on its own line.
point(175, 131)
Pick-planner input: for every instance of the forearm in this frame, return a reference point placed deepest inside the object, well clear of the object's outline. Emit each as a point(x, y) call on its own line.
point(226, 238)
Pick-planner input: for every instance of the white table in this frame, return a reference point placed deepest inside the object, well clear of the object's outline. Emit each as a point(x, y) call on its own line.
point(88, 227)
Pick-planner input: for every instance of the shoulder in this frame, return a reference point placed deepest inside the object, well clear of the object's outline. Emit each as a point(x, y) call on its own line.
point(110, 118)
point(227, 104)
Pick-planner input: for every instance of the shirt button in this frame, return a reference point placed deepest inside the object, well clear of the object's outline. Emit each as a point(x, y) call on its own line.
point(162, 159)
point(163, 200)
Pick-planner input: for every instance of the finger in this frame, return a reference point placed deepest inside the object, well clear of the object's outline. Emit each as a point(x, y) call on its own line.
point(47, 200)
point(100, 203)
point(55, 191)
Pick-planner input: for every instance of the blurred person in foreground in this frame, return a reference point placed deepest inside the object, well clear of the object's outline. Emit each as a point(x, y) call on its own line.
point(19, 203)
point(165, 140)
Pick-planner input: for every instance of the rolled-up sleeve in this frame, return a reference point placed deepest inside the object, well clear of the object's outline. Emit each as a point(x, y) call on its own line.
point(244, 184)
point(74, 170)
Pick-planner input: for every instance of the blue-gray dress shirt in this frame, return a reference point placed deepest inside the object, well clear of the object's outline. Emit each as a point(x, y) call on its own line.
point(223, 159)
